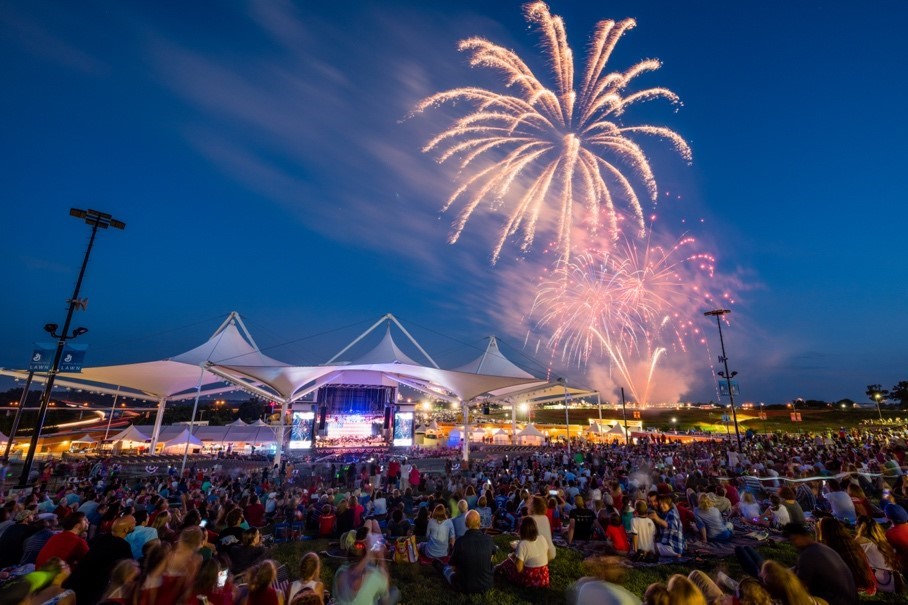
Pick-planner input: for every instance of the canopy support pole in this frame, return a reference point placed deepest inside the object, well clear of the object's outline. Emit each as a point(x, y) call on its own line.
point(285, 407)
point(466, 432)
point(513, 423)
point(112, 408)
point(195, 408)
point(159, 419)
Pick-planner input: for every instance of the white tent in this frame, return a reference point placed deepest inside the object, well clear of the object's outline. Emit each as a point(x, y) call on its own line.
point(237, 422)
point(86, 438)
point(3, 438)
point(501, 437)
point(130, 438)
point(477, 435)
point(616, 430)
point(177, 445)
point(530, 435)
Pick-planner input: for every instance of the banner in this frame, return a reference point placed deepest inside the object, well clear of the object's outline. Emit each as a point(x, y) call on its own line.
point(728, 385)
point(42, 357)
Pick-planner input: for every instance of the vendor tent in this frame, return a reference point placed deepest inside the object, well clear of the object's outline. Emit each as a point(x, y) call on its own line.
point(530, 435)
point(130, 438)
point(501, 437)
point(616, 430)
point(86, 438)
point(177, 445)
point(477, 435)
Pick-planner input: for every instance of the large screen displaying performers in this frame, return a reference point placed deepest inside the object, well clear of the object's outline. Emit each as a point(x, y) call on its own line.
point(403, 428)
point(301, 430)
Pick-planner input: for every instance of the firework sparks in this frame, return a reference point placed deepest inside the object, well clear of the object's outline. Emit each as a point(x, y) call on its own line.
point(626, 305)
point(556, 147)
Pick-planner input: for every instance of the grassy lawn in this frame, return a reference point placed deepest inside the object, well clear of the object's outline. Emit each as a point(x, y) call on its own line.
point(421, 584)
point(711, 419)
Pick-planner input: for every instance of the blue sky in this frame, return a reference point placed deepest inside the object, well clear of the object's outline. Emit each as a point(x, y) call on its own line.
point(259, 154)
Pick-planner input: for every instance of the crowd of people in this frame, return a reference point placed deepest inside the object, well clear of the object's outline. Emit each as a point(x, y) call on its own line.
point(838, 498)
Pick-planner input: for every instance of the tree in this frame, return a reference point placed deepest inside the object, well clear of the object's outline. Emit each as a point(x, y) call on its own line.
point(251, 410)
point(900, 393)
point(877, 393)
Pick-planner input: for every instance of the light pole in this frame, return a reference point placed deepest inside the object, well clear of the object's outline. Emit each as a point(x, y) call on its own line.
point(567, 422)
point(97, 220)
point(718, 313)
point(22, 401)
point(877, 397)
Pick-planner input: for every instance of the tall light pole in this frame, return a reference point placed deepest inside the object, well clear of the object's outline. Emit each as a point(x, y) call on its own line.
point(567, 422)
point(96, 220)
point(877, 397)
point(726, 375)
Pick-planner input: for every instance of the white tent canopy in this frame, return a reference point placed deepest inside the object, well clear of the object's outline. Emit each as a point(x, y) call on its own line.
point(131, 433)
point(86, 438)
point(181, 373)
point(179, 442)
point(493, 362)
point(530, 435)
point(617, 430)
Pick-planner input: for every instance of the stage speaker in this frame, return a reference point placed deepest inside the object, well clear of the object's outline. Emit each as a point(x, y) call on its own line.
point(322, 416)
point(485, 409)
point(387, 424)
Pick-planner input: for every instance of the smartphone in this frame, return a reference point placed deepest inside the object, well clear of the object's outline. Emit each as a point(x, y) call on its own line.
point(553, 492)
point(222, 578)
point(204, 523)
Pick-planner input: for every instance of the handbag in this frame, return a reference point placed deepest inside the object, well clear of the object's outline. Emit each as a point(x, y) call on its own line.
point(405, 550)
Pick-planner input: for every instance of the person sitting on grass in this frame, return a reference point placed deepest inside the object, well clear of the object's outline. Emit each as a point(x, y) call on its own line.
point(670, 540)
point(326, 522)
point(710, 522)
point(398, 526)
point(504, 520)
point(581, 524)
point(682, 591)
point(440, 534)
point(260, 580)
point(363, 580)
point(820, 568)
point(470, 569)
point(308, 590)
point(880, 554)
point(528, 565)
point(832, 533)
point(785, 588)
point(643, 531)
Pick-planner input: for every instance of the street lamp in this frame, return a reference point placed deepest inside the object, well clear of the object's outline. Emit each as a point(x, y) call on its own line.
point(726, 375)
point(878, 397)
point(97, 220)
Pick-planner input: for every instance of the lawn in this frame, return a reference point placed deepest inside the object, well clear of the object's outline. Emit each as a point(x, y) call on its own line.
point(711, 419)
point(420, 584)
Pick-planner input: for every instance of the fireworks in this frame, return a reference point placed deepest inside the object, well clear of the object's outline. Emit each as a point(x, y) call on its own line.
point(536, 152)
point(628, 306)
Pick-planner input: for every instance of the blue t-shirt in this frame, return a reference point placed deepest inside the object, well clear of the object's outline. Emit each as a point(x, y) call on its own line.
point(439, 535)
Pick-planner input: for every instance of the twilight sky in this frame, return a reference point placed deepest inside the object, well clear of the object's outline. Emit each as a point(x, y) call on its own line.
point(261, 156)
